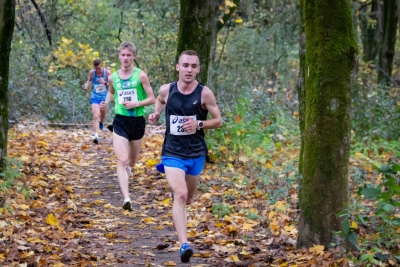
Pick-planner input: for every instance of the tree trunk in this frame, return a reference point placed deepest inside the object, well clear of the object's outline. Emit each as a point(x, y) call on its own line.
point(301, 90)
point(330, 58)
point(386, 51)
point(371, 29)
point(7, 17)
point(197, 30)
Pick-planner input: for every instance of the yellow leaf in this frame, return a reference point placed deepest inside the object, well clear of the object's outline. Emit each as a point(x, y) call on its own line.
point(170, 263)
point(52, 220)
point(25, 158)
point(151, 162)
point(358, 155)
point(231, 228)
point(192, 233)
point(248, 226)
point(69, 189)
point(354, 225)
point(233, 258)
point(149, 220)
point(288, 228)
point(108, 206)
point(269, 165)
point(24, 207)
point(96, 54)
point(238, 20)
point(96, 193)
point(2, 256)
point(99, 201)
point(317, 249)
point(229, 3)
point(111, 235)
point(166, 202)
point(219, 224)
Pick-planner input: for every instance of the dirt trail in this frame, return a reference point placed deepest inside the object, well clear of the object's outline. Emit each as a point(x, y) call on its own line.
point(143, 237)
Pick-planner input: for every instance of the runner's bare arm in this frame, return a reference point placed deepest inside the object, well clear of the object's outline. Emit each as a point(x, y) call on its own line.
point(89, 81)
point(144, 79)
point(161, 101)
point(209, 102)
point(110, 94)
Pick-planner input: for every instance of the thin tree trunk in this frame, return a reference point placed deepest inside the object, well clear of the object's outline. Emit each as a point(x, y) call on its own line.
point(371, 29)
point(7, 18)
point(386, 51)
point(197, 30)
point(330, 58)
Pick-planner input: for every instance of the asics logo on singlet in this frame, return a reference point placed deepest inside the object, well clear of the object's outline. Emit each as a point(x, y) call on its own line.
point(181, 120)
point(126, 93)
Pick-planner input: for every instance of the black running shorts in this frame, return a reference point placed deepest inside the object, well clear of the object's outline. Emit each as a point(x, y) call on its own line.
point(132, 128)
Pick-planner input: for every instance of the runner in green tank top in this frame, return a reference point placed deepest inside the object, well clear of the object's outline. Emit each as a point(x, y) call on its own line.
point(131, 90)
point(128, 90)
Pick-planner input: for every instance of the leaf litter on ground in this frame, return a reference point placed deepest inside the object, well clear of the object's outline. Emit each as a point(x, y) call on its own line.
point(243, 215)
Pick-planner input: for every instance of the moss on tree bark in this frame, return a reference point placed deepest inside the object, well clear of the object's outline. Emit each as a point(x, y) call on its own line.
point(7, 16)
point(329, 61)
point(197, 30)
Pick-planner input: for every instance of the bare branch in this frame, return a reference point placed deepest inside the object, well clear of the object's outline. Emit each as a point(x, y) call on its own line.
point(42, 19)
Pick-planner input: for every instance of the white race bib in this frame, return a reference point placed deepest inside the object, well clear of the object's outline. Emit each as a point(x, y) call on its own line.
point(127, 95)
point(100, 88)
point(176, 122)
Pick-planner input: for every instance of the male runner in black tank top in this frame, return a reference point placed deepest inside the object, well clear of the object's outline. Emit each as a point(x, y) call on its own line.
point(186, 103)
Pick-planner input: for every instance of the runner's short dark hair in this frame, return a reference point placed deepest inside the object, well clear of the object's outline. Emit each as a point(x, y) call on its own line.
point(96, 62)
point(189, 53)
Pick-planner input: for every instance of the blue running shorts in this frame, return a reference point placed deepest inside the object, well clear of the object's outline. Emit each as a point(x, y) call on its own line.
point(96, 101)
point(190, 166)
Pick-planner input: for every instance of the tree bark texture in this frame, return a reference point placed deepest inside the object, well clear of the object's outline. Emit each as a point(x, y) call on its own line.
point(197, 30)
point(301, 91)
point(330, 58)
point(7, 18)
point(386, 51)
point(371, 29)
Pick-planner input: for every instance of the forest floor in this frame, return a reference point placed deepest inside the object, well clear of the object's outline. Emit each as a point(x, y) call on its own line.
point(67, 211)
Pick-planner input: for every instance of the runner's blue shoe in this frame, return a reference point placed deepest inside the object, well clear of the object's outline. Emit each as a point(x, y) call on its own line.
point(101, 125)
point(186, 252)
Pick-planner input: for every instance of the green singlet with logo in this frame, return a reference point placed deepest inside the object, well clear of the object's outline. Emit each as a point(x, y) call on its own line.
point(128, 90)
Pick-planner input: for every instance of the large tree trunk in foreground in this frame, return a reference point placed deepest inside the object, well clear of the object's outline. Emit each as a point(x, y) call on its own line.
point(7, 17)
point(386, 51)
point(330, 58)
point(197, 30)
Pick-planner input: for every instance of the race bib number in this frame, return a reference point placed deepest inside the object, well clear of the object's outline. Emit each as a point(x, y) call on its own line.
point(100, 88)
point(127, 95)
point(176, 122)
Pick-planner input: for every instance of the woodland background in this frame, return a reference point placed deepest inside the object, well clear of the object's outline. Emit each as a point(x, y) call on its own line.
point(253, 72)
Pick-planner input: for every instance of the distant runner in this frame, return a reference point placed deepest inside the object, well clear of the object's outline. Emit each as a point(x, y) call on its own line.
point(99, 81)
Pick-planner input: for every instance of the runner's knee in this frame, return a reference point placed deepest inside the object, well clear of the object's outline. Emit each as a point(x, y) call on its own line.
point(124, 161)
point(181, 195)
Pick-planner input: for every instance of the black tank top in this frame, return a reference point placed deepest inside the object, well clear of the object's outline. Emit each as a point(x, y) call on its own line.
point(177, 143)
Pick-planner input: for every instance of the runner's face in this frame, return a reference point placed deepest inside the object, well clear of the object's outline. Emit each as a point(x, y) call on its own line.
point(126, 57)
point(98, 68)
point(188, 67)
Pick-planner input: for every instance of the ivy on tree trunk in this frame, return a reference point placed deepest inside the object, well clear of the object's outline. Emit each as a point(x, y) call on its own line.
point(7, 17)
point(329, 61)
